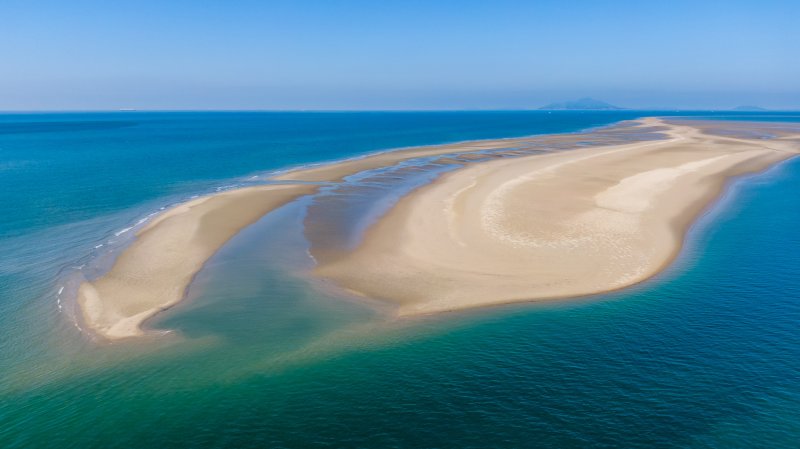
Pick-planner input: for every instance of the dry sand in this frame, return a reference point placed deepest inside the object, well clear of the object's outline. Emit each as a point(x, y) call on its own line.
point(556, 225)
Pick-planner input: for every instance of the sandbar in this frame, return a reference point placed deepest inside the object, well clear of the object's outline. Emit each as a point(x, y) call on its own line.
point(546, 226)
point(521, 219)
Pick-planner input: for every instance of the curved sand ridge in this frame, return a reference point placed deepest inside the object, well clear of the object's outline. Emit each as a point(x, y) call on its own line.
point(153, 273)
point(562, 224)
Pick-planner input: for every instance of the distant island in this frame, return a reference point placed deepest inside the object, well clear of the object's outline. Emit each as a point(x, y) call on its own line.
point(589, 104)
point(748, 108)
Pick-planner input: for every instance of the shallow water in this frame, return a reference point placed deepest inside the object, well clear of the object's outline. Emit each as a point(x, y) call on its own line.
point(705, 355)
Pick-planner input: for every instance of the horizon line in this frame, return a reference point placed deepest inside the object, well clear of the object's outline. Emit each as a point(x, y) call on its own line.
point(648, 109)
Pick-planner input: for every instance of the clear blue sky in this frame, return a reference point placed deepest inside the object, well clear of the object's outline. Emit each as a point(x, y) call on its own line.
point(450, 54)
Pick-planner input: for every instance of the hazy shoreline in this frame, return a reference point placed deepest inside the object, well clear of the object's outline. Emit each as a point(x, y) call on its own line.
point(142, 282)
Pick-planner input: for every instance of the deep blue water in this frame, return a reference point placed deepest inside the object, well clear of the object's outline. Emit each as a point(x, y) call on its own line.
point(705, 355)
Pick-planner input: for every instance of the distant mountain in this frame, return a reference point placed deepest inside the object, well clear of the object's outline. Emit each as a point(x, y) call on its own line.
point(748, 108)
point(583, 104)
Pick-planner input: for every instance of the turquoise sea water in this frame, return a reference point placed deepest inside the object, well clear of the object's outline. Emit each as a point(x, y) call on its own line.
point(705, 355)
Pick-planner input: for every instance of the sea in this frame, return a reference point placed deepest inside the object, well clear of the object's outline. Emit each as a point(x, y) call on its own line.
point(704, 355)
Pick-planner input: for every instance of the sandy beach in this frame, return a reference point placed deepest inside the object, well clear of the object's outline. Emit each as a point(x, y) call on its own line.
point(524, 223)
point(557, 225)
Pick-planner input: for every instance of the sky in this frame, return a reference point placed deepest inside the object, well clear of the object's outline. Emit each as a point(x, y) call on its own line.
point(387, 55)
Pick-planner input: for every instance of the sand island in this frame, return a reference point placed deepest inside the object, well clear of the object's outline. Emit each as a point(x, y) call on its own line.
point(521, 220)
